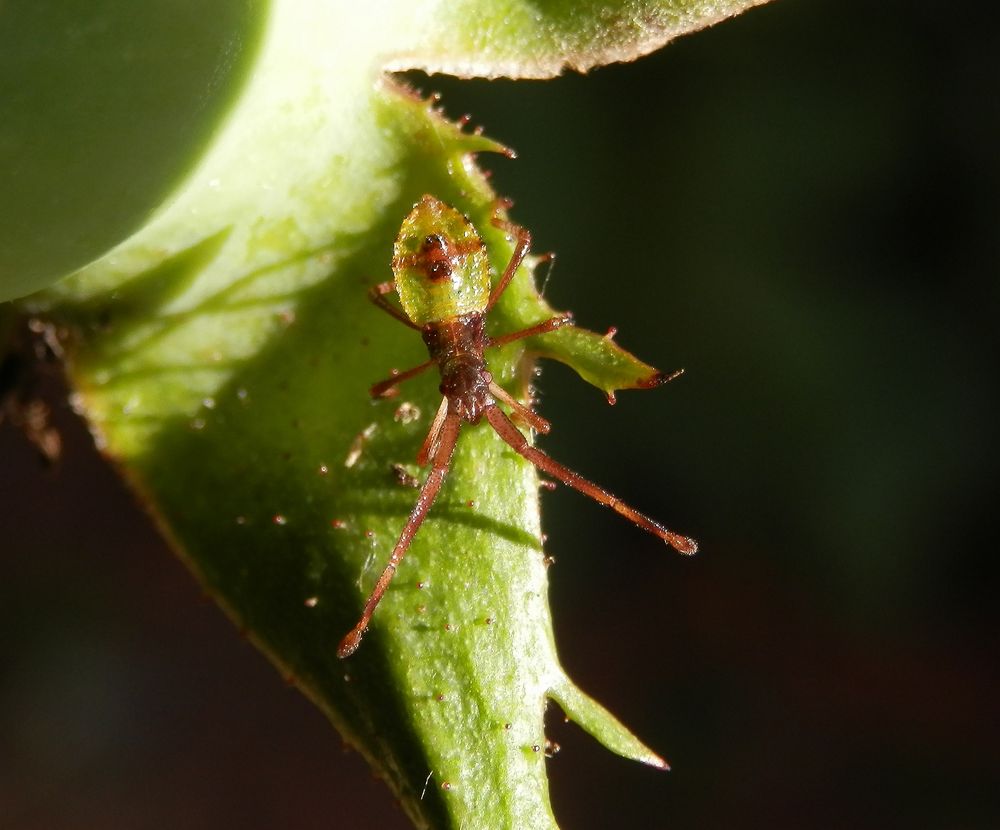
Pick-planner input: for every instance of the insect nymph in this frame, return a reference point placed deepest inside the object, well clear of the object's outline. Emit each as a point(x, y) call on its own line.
point(442, 276)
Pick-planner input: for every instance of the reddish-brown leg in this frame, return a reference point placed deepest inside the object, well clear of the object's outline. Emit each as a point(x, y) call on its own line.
point(544, 327)
point(522, 242)
point(512, 435)
point(377, 295)
point(442, 459)
point(387, 388)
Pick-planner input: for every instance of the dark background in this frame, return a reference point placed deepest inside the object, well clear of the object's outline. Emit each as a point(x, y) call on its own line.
point(801, 208)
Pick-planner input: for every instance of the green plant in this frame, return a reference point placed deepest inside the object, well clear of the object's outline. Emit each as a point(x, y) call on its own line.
point(222, 348)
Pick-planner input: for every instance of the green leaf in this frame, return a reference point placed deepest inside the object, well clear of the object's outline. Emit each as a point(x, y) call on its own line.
point(223, 354)
point(542, 38)
point(104, 111)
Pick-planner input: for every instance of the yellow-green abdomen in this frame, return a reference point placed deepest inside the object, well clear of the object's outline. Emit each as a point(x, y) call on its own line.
point(439, 264)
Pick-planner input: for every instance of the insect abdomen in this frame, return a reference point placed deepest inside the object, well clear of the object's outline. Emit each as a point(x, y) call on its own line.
point(439, 264)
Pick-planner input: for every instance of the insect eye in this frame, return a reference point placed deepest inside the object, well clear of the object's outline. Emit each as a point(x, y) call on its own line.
point(433, 242)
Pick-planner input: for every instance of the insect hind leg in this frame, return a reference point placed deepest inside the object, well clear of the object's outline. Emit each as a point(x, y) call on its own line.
point(522, 243)
point(377, 295)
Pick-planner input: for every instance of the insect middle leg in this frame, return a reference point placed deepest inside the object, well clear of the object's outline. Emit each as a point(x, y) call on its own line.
point(544, 327)
point(442, 460)
point(513, 436)
point(387, 388)
point(522, 242)
point(524, 414)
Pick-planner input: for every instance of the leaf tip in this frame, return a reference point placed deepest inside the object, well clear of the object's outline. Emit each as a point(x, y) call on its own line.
point(658, 378)
point(602, 725)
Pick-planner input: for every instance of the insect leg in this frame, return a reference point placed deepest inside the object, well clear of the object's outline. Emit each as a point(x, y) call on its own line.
point(522, 242)
point(512, 435)
point(387, 388)
point(442, 460)
point(525, 414)
point(377, 295)
point(545, 326)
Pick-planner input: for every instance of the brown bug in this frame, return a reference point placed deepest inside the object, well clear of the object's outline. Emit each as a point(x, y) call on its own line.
point(442, 276)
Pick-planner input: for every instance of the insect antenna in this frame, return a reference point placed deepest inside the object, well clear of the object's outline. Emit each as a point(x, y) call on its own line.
point(515, 438)
point(525, 414)
point(441, 461)
point(429, 448)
